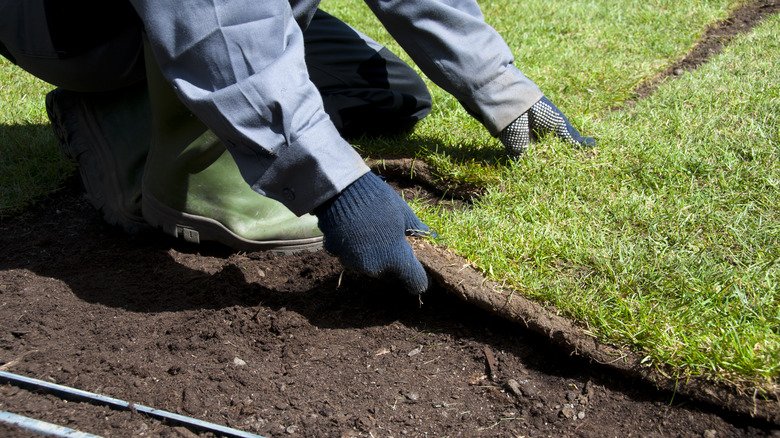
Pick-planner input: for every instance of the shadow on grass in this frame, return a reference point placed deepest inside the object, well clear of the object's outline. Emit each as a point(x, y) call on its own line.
point(423, 146)
point(459, 170)
point(31, 166)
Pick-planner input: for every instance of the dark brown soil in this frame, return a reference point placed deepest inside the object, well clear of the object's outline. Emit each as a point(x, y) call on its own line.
point(288, 346)
point(292, 345)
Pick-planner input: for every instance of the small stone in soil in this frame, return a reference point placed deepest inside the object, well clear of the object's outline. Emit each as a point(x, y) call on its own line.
point(514, 387)
point(568, 412)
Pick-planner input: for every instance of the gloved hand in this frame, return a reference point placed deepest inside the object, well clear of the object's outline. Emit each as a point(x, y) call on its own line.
point(365, 226)
point(542, 117)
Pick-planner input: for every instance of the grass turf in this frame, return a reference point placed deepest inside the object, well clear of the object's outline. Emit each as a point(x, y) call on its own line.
point(30, 164)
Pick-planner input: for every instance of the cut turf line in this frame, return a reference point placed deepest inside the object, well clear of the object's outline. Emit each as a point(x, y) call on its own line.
point(741, 21)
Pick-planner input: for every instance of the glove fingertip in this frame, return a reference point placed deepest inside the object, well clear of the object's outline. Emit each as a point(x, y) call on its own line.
point(419, 284)
point(589, 142)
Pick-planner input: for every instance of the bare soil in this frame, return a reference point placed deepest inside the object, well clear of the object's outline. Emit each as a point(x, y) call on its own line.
point(288, 346)
point(293, 345)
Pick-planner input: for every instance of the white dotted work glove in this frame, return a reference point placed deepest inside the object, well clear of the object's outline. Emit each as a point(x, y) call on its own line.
point(542, 117)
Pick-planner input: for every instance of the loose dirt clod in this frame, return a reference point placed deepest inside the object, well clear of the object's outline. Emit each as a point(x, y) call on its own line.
point(492, 364)
point(514, 387)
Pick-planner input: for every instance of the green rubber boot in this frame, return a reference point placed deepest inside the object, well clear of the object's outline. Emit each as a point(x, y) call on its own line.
point(192, 188)
point(106, 135)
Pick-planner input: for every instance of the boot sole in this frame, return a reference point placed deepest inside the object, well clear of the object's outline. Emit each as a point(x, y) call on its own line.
point(196, 229)
point(103, 189)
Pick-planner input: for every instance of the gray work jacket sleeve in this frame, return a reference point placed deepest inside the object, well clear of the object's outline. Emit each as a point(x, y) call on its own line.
point(451, 43)
point(239, 67)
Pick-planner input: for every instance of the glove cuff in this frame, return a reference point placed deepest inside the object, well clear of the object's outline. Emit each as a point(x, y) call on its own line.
point(354, 199)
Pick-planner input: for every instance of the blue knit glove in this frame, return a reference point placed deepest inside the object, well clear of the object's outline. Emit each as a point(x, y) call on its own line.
point(542, 117)
point(366, 227)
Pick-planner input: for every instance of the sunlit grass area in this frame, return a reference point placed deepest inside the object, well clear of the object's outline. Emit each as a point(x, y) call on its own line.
point(665, 238)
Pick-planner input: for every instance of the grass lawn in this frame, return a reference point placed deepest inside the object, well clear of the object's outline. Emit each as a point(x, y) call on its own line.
point(664, 239)
point(30, 163)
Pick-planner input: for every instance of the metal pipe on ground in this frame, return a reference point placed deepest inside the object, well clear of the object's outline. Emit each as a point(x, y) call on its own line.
point(79, 395)
point(41, 427)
